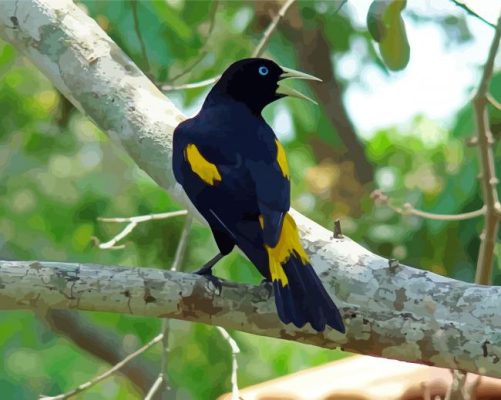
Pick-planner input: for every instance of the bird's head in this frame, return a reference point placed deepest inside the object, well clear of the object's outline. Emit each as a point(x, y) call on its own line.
point(257, 82)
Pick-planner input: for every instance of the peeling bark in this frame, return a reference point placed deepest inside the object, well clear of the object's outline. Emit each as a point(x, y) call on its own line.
point(395, 312)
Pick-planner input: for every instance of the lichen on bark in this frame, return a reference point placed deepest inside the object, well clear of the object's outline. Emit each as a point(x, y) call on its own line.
point(390, 311)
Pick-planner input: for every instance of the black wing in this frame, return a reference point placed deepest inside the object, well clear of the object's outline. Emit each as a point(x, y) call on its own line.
point(269, 171)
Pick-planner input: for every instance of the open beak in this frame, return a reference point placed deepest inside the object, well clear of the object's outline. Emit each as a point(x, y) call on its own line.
point(293, 74)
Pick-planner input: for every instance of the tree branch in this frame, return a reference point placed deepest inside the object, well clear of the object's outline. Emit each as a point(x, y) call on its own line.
point(133, 5)
point(162, 379)
point(400, 312)
point(106, 374)
point(472, 13)
point(102, 343)
point(314, 55)
point(380, 198)
point(235, 350)
point(202, 52)
point(133, 222)
point(258, 51)
point(487, 168)
point(493, 102)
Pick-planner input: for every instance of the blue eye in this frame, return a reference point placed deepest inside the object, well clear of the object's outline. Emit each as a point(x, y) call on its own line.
point(263, 71)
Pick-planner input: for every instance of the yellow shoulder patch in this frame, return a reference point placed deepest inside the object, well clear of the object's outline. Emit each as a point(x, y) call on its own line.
point(288, 244)
point(282, 159)
point(207, 171)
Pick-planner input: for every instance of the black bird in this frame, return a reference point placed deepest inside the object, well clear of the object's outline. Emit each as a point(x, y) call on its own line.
point(234, 170)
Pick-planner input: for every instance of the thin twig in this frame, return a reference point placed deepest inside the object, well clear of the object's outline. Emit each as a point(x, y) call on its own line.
point(408, 209)
point(111, 371)
point(261, 46)
point(187, 70)
point(203, 49)
point(343, 2)
point(259, 50)
point(192, 85)
point(487, 168)
point(235, 393)
point(182, 245)
point(337, 233)
point(132, 223)
point(140, 36)
point(162, 380)
point(100, 342)
point(473, 13)
point(492, 100)
point(156, 385)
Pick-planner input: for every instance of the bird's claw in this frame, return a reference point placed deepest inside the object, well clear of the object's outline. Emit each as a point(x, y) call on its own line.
point(216, 282)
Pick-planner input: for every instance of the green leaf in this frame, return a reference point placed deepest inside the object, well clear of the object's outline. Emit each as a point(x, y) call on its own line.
point(171, 18)
point(394, 46)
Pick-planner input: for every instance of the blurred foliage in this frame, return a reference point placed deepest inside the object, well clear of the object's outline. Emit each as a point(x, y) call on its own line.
point(59, 173)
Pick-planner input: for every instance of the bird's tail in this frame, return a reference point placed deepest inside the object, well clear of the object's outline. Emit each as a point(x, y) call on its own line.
point(299, 294)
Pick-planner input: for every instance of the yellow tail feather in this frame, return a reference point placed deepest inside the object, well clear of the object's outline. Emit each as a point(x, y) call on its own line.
point(288, 244)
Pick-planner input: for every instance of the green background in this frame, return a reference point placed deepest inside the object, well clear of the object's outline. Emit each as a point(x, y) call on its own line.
point(59, 173)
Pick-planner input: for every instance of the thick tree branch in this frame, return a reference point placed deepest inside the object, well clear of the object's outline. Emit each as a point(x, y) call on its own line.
point(398, 312)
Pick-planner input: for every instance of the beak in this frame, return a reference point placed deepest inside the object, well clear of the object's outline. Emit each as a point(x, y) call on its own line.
point(293, 74)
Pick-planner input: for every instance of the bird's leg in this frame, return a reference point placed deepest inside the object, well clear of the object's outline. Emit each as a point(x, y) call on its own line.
point(206, 271)
point(207, 267)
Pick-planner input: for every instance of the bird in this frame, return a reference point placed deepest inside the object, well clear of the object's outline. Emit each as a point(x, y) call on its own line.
point(234, 170)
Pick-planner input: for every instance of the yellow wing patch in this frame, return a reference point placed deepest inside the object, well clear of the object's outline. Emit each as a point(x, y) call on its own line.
point(287, 245)
point(207, 171)
point(282, 159)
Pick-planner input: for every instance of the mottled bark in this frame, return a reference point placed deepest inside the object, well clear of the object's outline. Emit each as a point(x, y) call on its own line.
point(396, 312)
point(391, 311)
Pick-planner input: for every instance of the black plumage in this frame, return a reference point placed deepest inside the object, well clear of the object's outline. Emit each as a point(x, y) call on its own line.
point(234, 170)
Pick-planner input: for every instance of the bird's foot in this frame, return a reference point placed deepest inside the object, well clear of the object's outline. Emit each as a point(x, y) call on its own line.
point(216, 282)
point(203, 271)
point(207, 267)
